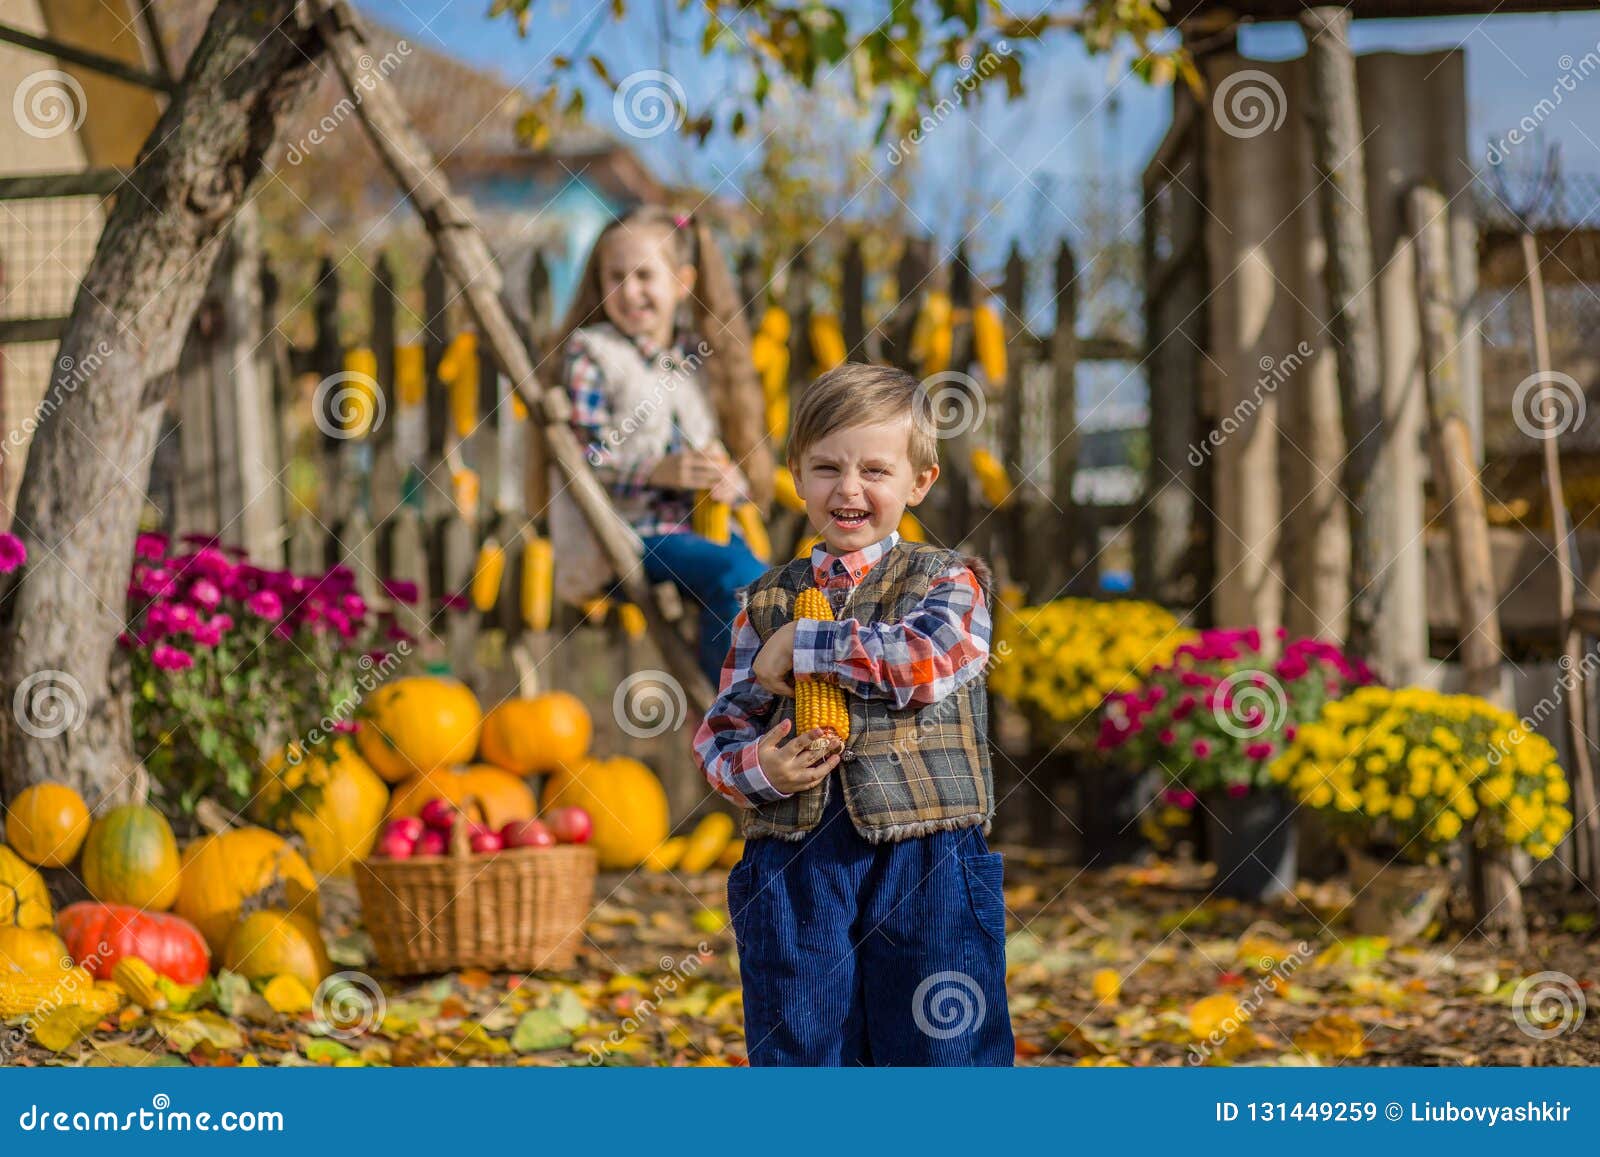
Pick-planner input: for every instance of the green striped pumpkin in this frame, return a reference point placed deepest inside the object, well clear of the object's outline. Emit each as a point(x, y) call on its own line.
point(131, 857)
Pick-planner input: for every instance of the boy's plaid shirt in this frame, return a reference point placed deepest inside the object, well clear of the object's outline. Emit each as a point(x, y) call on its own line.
point(594, 420)
point(916, 662)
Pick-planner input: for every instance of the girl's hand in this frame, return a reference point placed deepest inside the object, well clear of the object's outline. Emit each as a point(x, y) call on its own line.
point(773, 666)
point(689, 470)
point(731, 487)
point(797, 764)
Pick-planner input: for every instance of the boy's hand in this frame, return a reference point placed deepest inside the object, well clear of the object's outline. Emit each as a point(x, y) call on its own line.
point(804, 761)
point(774, 663)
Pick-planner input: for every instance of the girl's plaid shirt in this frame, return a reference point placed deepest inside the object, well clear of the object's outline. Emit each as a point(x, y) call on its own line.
point(594, 422)
point(916, 662)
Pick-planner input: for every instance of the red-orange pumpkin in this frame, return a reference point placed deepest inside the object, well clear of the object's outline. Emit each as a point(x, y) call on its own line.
point(99, 935)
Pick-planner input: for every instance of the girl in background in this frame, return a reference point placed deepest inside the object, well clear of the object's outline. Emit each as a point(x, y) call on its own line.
point(657, 363)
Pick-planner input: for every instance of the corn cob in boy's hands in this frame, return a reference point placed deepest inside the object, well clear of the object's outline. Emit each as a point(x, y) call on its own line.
point(818, 704)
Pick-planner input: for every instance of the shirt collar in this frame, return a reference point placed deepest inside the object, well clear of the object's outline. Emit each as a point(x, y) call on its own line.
point(649, 350)
point(826, 567)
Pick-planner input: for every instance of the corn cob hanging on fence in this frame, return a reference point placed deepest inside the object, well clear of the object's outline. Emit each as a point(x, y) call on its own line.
point(486, 575)
point(818, 704)
point(785, 490)
point(538, 583)
point(711, 519)
point(827, 342)
point(989, 343)
point(632, 620)
point(748, 516)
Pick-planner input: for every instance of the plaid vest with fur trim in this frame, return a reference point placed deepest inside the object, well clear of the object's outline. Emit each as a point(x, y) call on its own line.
point(906, 772)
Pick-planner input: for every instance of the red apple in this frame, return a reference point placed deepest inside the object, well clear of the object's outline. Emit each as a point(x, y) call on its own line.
point(486, 842)
point(395, 846)
point(439, 814)
point(432, 843)
point(570, 825)
point(527, 834)
point(409, 827)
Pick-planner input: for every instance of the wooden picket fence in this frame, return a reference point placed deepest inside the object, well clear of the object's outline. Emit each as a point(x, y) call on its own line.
point(448, 462)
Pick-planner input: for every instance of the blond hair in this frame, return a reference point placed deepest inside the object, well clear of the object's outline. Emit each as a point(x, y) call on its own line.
point(856, 394)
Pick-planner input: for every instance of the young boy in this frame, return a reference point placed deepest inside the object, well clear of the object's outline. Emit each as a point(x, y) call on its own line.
point(867, 907)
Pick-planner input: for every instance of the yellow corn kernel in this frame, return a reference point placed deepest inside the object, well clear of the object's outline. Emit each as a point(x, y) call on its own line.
point(27, 993)
point(712, 520)
point(754, 530)
point(486, 575)
point(818, 704)
point(538, 583)
point(989, 343)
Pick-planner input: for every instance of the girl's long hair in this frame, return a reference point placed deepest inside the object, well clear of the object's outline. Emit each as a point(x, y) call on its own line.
point(727, 371)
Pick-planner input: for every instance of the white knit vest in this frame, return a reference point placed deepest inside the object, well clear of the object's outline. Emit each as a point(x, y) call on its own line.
point(647, 400)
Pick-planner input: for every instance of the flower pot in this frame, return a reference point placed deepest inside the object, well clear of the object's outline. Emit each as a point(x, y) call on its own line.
point(1394, 898)
point(1252, 841)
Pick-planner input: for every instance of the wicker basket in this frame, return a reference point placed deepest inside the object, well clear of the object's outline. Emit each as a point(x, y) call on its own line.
point(521, 909)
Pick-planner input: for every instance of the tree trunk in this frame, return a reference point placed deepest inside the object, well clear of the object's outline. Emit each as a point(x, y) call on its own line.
point(86, 475)
point(1341, 198)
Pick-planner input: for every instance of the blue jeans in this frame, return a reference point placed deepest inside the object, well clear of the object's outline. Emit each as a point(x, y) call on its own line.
point(853, 953)
point(709, 574)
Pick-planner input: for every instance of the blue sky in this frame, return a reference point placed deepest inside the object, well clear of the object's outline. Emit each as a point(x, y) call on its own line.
point(1020, 163)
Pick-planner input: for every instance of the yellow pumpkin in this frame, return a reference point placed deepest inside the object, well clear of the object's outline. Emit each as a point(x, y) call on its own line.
point(46, 824)
point(24, 900)
point(531, 736)
point(625, 801)
point(32, 950)
point(500, 796)
point(342, 824)
point(221, 872)
point(419, 724)
point(273, 942)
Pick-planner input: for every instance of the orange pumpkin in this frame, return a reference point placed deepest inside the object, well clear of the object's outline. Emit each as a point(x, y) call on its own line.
point(419, 724)
point(46, 824)
point(625, 801)
point(272, 943)
point(221, 872)
point(408, 797)
point(501, 797)
point(529, 736)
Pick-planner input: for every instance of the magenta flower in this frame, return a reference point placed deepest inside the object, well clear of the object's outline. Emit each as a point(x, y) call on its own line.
point(1236, 790)
point(1258, 751)
point(456, 602)
point(207, 634)
point(13, 553)
point(401, 591)
point(206, 593)
point(150, 546)
point(169, 658)
point(223, 622)
point(1168, 736)
point(1179, 797)
point(265, 605)
point(1201, 748)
